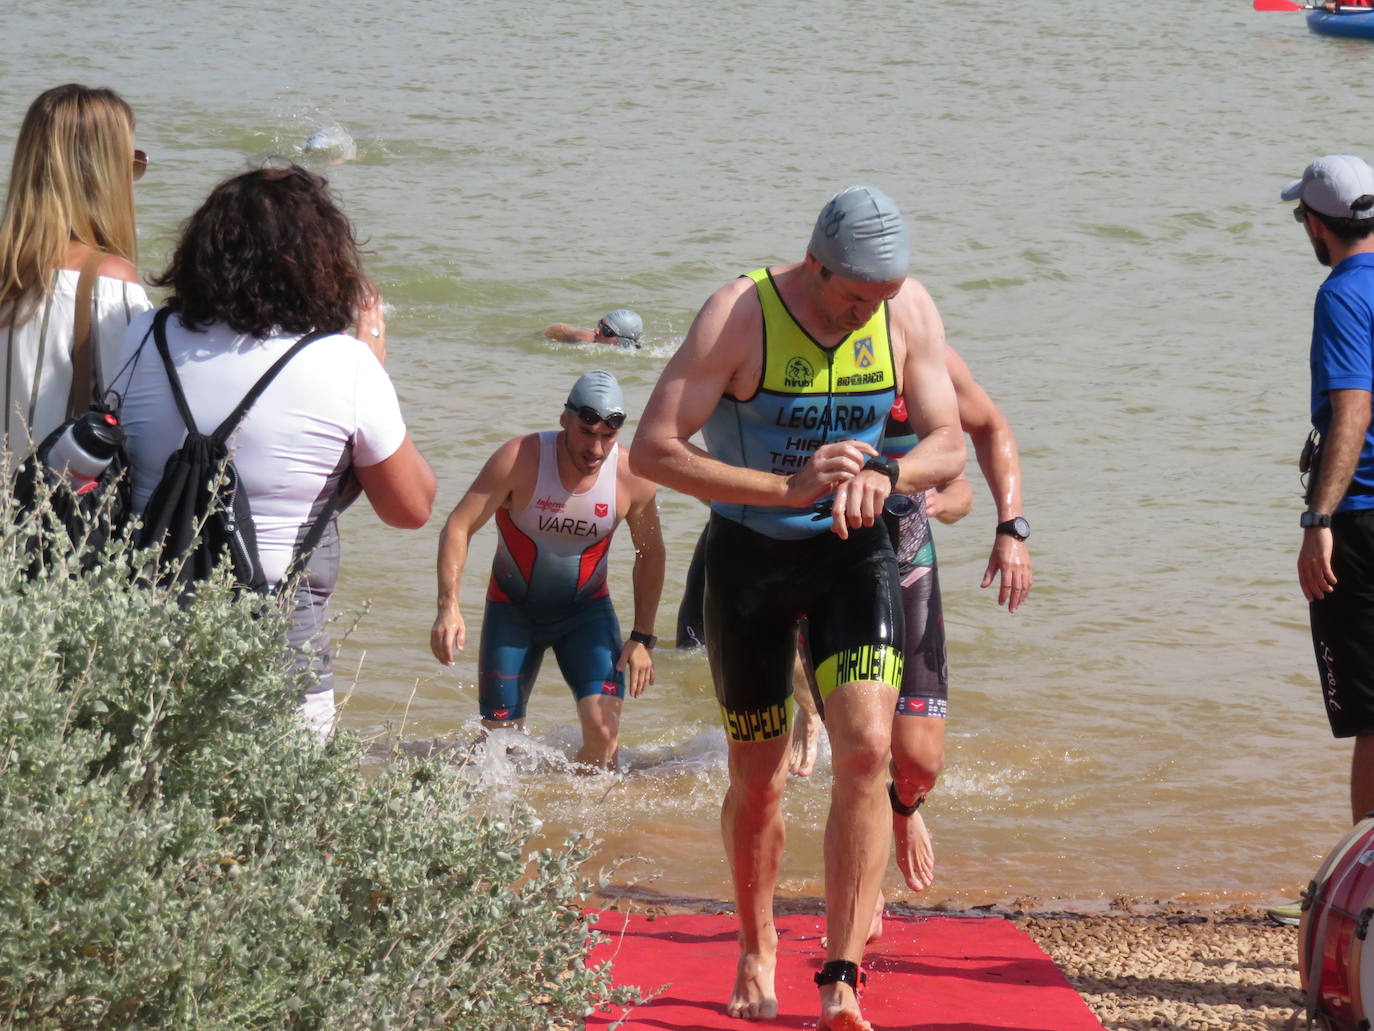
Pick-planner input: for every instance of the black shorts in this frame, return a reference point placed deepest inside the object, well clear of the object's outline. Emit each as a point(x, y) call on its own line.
point(757, 588)
point(1343, 627)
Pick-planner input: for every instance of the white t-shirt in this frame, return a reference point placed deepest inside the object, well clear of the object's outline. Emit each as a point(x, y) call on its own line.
point(38, 353)
point(294, 442)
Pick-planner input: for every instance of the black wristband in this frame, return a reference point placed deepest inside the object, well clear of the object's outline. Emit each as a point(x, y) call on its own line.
point(648, 640)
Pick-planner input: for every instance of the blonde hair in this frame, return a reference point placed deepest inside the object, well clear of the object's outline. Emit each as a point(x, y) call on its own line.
point(72, 180)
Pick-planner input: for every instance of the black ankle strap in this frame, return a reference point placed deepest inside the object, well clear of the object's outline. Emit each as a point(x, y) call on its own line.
point(897, 807)
point(841, 970)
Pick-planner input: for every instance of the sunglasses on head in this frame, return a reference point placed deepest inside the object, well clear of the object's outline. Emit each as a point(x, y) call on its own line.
point(140, 164)
point(590, 416)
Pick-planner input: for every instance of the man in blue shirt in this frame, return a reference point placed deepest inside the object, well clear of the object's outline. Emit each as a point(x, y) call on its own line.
point(1336, 562)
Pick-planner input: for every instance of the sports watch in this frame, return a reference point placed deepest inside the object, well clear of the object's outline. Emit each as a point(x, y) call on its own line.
point(1310, 519)
point(648, 640)
point(887, 466)
point(1017, 527)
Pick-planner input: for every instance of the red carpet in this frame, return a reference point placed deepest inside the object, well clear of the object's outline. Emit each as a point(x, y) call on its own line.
point(934, 974)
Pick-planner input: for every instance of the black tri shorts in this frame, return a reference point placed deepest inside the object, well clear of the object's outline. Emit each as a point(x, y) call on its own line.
point(757, 589)
point(1343, 627)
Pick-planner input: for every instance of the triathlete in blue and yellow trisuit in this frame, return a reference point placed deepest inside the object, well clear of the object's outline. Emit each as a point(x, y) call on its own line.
point(767, 567)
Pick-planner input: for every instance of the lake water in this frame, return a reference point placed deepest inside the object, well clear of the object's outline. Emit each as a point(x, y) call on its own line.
point(1093, 204)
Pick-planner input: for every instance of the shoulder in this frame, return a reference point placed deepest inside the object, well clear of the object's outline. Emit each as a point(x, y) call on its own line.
point(114, 267)
point(915, 321)
point(516, 460)
point(730, 320)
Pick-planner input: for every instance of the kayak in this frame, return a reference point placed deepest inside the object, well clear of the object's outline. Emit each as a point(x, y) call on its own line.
point(1339, 24)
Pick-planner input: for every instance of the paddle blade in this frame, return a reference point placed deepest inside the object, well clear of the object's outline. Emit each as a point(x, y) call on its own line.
point(1277, 5)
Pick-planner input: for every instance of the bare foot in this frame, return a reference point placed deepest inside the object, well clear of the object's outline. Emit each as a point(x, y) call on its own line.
point(754, 997)
point(915, 854)
point(840, 1010)
point(806, 741)
point(875, 928)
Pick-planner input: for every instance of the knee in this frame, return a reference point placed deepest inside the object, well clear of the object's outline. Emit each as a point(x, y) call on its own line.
point(602, 726)
point(862, 755)
point(918, 770)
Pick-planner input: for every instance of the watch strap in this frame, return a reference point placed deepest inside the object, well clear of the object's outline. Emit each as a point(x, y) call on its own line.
point(887, 466)
point(648, 640)
point(1319, 520)
point(1009, 528)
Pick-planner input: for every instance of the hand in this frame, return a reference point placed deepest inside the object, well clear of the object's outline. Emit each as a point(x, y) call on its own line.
point(638, 660)
point(859, 502)
point(449, 632)
point(831, 465)
point(1314, 564)
point(1011, 559)
point(371, 326)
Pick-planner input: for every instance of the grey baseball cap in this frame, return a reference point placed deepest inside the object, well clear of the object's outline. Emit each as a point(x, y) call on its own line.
point(861, 235)
point(1339, 185)
point(599, 391)
point(625, 324)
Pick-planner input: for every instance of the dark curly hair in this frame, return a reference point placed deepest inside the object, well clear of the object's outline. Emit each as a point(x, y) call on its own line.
point(268, 250)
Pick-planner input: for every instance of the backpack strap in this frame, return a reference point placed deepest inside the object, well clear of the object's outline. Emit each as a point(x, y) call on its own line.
point(173, 380)
point(82, 390)
point(232, 420)
point(221, 434)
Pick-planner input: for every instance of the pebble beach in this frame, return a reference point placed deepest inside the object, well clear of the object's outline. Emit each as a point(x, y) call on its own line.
point(1232, 970)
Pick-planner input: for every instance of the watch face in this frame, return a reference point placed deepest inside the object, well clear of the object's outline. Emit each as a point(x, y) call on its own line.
point(1021, 527)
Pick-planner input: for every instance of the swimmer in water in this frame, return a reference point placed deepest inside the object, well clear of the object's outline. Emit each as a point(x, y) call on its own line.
point(621, 327)
point(333, 141)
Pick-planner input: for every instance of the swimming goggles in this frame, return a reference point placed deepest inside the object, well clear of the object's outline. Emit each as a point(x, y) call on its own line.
point(590, 416)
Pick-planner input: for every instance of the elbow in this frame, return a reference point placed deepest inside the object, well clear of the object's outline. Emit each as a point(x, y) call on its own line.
point(644, 460)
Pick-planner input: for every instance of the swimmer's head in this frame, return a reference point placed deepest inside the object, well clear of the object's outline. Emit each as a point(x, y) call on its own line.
point(623, 324)
point(597, 397)
point(861, 235)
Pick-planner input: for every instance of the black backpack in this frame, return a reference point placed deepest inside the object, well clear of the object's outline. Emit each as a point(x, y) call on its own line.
point(199, 511)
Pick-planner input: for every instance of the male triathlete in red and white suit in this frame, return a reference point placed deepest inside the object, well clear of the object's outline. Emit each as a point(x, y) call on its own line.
point(557, 497)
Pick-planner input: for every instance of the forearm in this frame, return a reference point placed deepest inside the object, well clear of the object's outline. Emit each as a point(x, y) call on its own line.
point(938, 458)
point(1341, 449)
point(647, 580)
point(1000, 463)
point(681, 465)
point(453, 556)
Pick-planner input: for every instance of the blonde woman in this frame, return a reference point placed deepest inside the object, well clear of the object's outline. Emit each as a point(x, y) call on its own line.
point(71, 194)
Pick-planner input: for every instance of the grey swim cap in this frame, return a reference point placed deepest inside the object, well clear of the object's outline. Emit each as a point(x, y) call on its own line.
point(625, 324)
point(599, 391)
point(860, 235)
point(1339, 185)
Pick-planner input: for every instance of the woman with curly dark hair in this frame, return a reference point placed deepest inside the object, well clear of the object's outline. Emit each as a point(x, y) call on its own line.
point(267, 259)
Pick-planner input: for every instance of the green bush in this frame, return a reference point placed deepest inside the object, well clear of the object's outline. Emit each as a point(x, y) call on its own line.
point(177, 852)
